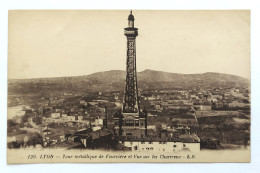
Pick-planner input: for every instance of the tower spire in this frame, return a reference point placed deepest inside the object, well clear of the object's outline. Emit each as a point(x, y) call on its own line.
point(131, 103)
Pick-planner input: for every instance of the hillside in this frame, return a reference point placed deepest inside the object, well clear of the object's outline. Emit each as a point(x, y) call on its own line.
point(114, 81)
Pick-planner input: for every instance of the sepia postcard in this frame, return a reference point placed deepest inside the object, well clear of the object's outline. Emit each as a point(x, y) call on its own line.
point(95, 86)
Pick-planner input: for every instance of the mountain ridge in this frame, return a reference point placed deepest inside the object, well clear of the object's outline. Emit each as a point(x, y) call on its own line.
point(114, 80)
point(122, 71)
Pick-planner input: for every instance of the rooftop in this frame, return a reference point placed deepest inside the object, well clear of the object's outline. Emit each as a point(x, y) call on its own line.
point(186, 138)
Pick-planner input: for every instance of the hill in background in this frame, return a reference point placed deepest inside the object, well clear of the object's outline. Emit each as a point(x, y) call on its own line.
point(114, 80)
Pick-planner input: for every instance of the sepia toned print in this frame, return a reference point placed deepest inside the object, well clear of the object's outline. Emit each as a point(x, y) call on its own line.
point(119, 86)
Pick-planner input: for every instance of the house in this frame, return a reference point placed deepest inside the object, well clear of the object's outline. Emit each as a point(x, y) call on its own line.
point(158, 107)
point(119, 104)
point(46, 132)
point(194, 97)
point(11, 139)
point(20, 113)
point(81, 117)
point(218, 105)
point(72, 118)
point(82, 102)
point(185, 142)
point(95, 128)
point(96, 139)
point(99, 122)
point(204, 107)
point(17, 119)
point(25, 139)
point(150, 98)
point(55, 115)
point(215, 98)
point(62, 138)
point(236, 104)
point(64, 116)
point(187, 102)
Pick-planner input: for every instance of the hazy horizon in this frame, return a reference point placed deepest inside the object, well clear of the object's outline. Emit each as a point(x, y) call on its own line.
point(64, 43)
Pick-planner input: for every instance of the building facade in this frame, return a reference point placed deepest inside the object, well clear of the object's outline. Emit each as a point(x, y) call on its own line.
point(187, 142)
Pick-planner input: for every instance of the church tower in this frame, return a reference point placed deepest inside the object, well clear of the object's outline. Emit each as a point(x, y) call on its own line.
point(130, 121)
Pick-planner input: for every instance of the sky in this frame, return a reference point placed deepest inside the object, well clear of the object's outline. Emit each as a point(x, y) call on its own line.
point(55, 43)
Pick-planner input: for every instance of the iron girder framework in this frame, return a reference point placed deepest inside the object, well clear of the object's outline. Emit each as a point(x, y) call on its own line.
point(131, 102)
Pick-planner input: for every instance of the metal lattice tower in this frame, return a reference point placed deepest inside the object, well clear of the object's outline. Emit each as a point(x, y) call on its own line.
point(131, 102)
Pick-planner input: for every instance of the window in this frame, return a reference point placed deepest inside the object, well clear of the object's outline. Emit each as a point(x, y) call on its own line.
point(129, 122)
point(174, 146)
point(129, 134)
point(151, 148)
point(150, 142)
point(184, 145)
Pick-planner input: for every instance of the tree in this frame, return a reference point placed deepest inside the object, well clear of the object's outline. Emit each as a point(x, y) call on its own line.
point(37, 120)
point(35, 138)
point(11, 123)
point(28, 125)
